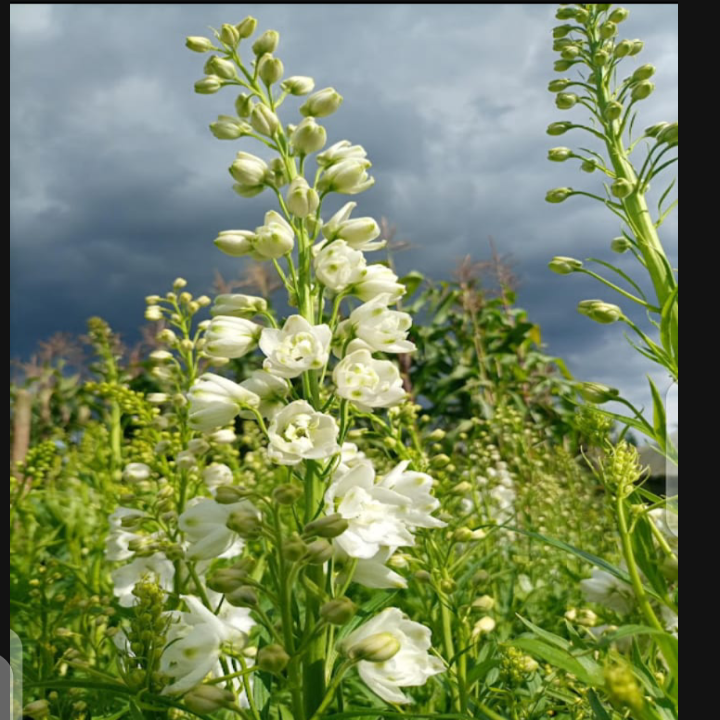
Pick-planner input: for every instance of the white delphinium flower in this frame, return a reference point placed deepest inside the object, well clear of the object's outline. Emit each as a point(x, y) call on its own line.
point(347, 177)
point(273, 239)
point(186, 460)
point(350, 456)
point(375, 574)
point(338, 266)
point(238, 305)
point(666, 522)
point(126, 577)
point(231, 337)
point(417, 488)
point(302, 200)
point(215, 401)
point(198, 446)
point(298, 432)
point(368, 383)
point(296, 348)
point(196, 640)
point(342, 150)
point(224, 436)
point(117, 541)
point(358, 233)
point(217, 474)
point(205, 529)
point(250, 173)
point(373, 326)
point(385, 673)
point(606, 589)
point(136, 472)
point(271, 390)
point(377, 280)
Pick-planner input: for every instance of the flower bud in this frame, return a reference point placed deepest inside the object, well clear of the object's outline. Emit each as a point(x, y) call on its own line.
point(569, 52)
point(581, 15)
point(623, 688)
point(643, 90)
point(613, 110)
point(597, 393)
point(294, 549)
point(244, 105)
point(644, 72)
point(208, 698)
point(302, 200)
point(220, 67)
point(244, 596)
point(339, 611)
point(619, 14)
point(638, 45)
point(669, 134)
point(298, 85)
point(226, 580)
point(319, 552)
point(208, 85)
point(559, 128)
point(329, 527)
point(308, 137)
point(245, 523)
point(238, 305)
point(228, 494)
point(558, 195)
point(440, 461)
point(608, 29)
point(376, 649)
point(272, 659)
point(264, 120)
point(266, 43)
point(567, 12)
point(564, 101)
point(562, 65)
point(588, 165)
point(37, 709)
point(136, 472)
point(227, 127)
point(270, 69)
point(600, 311)
point(621, 188)
point(229, 35)
point(620, 245)
point(623, 48)
point(558, 85)
point(559, 154)
point(235, 243)
point(198, 44)
point(601, 57)
point(485, 603)
point(561, 31)
point(246, 27)
point(322, 103)
point(348, 177)
point(564, 265)
point(483, 627)
point(287, 494)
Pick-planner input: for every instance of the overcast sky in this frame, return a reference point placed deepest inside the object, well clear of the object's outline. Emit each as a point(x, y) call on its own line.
point(117, 186)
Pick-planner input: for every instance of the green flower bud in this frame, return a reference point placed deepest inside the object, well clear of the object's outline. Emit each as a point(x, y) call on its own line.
point(613, 110)
point(229, 35)
point(600, 311)
point(621, 188)
point(597, 393)
point(440, 461)
point(264, 120)
point(562, 65)
point(638, 45)
point(271, 69)
point(620, 245)
point(37, 709)
point(588, 165)
point(608, 29)
point(294, 549)
point(564, 265)
point(227, 127)
point(582, 15)
point(272, 659)
point(229, 494)
point(423, 577)
point(319, 552)
point(644, 72)
point(561, 31)
point(244, 596)
point(558, 195)
point(601, 58)
point(225, 580)
point(570, 52)
point(220, 67)
point(562, 43)
point(298, 85)
point(486, 603)
point(322, 103)
point(287, 494)
point(208, 85)
point(245, 523)
point(302, 200)
point(208, 698)
point(564, 101)
point(619, 14)
point(198, 44)
point(266, 43)
point(559, 128)
point(643, 90)
point(246, 27)
point(244, 105)
point(558, 85)
point(559, 154)
point(376, 649)
point(328, 527)
point(339, 611)
point(623, 48)
point(566, 12)
point(463, 535)
point(669, 134)
point(623, 688)
point(655, 130)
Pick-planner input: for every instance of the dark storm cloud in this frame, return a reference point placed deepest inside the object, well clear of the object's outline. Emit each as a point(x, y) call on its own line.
point(118, 187)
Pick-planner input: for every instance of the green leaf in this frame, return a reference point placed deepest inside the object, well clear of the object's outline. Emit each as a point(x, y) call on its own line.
point(597, 707)
point(561, 659)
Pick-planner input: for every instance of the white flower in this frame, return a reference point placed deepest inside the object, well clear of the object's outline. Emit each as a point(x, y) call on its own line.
point(118, 539)
point(231, 337)
point(298, 433)
point(348, 177)
point(358, 233)
point(350, 456)
point(378, 328)
point(666, 522)
point(136, 472)
point(605, 589)
point(411, 666)
point(308, 136)
point(273, 239)
point(298, 347)
point(215, 401)
point(374, 573)
point(340, 151)
point(186, 460)
point(271, 390)
point(225, 436)
point(238, 305)
point(198, 446)
point(368, 383)
point(377, 280)
point(236, 243)
point(338, 266)
point(126, 577)
point(204, 525)
point(217, 474)
point(416, 487)
point(322, 103)
point(250, 172)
